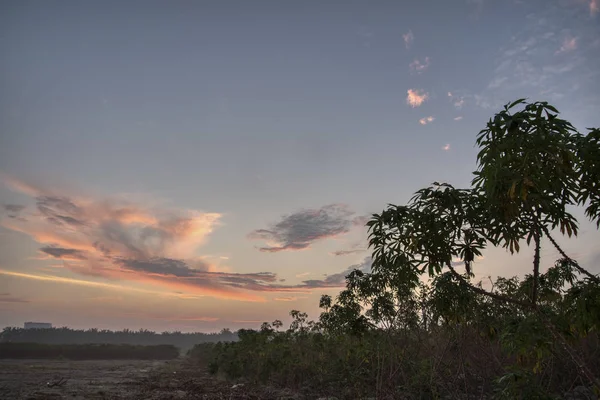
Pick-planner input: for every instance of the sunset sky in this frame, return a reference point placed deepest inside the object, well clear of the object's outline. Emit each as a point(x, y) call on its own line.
point(194, 165)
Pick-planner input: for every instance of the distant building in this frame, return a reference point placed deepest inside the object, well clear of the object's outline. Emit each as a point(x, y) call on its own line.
point(38, 325)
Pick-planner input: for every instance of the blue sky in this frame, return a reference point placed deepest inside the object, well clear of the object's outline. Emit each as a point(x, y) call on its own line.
point(221, 153)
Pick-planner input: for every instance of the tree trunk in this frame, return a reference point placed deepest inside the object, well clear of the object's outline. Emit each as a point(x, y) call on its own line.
point(536, 267)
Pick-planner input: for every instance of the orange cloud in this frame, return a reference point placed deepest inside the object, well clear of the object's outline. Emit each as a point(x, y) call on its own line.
point(125, 242)
point(79, 282)
point(131, 216)
point(43, 234)
point(223, 293)
point(19, 186)
point(416, 97)
point(218, 291)
point(426, 120)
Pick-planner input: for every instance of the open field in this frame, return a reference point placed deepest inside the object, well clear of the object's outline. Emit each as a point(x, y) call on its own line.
point(33, 379)
point(152, 380)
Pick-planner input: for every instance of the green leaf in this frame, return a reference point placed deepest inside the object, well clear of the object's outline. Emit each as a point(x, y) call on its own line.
point(514, 103)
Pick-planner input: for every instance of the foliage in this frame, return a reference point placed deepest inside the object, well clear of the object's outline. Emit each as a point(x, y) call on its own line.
point(87, 351)
point(472, 344)
point(391, 334)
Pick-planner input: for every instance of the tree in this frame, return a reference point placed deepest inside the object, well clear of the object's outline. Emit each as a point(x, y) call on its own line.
point(532, 166)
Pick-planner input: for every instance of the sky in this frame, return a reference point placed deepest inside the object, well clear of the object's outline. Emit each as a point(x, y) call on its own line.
point(196, 165)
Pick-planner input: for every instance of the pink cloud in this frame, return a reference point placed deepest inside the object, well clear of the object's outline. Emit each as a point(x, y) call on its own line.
point(458, 118)
point(418, 66)
point(569, 44)
point(446, 147)
point(594, 7)
point(19, 186)
point(426, 120)
point(416, 97)
point(123, 241)
point(408, 39)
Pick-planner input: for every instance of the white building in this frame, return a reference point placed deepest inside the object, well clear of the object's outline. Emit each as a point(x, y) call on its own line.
point(38, 325)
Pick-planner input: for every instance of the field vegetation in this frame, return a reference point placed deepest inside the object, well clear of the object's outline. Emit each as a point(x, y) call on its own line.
point(142, 337)
point(87, 351)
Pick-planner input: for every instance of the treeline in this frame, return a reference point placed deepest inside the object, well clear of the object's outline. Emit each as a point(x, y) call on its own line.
point(87, 351)
point(184, 341)
point(440, 341)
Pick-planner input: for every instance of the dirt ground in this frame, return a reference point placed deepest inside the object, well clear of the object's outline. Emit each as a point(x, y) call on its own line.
point(152, 380)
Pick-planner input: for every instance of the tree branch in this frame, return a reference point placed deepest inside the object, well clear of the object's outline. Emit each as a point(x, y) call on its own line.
point(592, 277)
point(493, 295)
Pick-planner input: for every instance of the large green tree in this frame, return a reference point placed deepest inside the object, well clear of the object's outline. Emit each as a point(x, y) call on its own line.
point(532, 169)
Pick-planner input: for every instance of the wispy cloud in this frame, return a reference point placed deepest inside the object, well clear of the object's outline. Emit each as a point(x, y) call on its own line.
point(408, 39)
point(594, 7)
point(299, 230)
point(528, 66)
point(366, 35)
point(7, 298)
point(288, 298)
point(446, 147)
point(72, 281)
point(416, 97)
point(339, 279)
point(13, 208)
point(248, 321)
point(497, 82)
point(426, 120)
point(14, 211)
point(169, 317)
point(457, 100)
point(64, 254)
point(347, 252)
point(126, 241)
point(478, 7)
point(419, 66)
point(568, 44)
point(458, 118)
